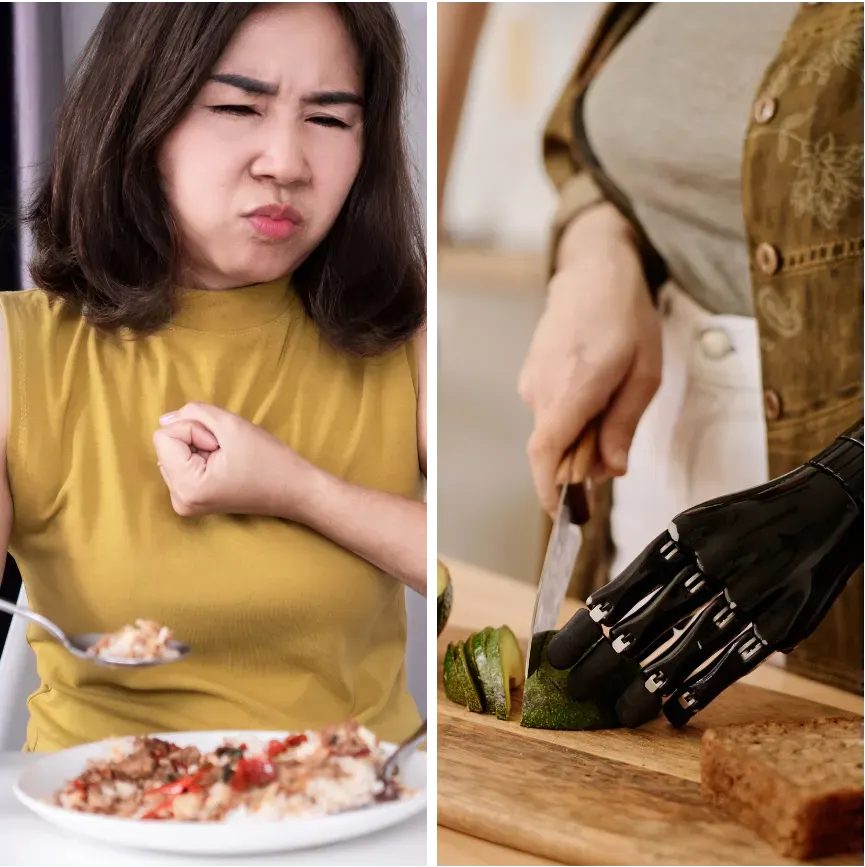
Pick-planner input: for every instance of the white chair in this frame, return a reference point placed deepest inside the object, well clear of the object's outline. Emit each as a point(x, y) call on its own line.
point(18, 677)
point(416, 649)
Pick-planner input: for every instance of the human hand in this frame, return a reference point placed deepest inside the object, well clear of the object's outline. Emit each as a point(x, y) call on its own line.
point(596, 352)
point(214, 461)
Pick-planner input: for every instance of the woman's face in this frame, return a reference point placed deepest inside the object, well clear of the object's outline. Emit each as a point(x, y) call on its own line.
point(278, 127)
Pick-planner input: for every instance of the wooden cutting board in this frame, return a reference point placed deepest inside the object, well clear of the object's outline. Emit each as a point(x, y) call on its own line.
point(605, 797)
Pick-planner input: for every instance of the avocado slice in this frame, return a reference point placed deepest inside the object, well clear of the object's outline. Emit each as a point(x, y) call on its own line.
point(460, 685)
point(513, 663)
point(476, 657)
point(547, 706)
point(498, 662)
point(454, 688)
point(445, 595)
point(474, 695)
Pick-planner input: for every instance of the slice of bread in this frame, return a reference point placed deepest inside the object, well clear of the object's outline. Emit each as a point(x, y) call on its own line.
point(797, 784)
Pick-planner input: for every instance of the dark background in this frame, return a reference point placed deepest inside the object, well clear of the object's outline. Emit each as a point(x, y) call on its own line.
point(10, 279)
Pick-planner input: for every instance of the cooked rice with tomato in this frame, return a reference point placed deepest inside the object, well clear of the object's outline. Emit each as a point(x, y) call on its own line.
point(146, 640)
point(310, 774)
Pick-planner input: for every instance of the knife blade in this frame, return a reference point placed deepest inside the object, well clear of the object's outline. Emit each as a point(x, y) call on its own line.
point(565, 541)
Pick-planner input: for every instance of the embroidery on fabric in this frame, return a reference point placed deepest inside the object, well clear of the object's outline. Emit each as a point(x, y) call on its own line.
point(767, 345)
point(828, 179)
point(844, 51)
point(780, 312)
point(820, 255)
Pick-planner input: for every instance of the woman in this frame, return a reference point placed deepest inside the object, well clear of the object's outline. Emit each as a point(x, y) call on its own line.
point(231, 268)
point(709, 163)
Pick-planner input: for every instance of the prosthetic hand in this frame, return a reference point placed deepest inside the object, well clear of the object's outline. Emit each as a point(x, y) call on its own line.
point(736, 578)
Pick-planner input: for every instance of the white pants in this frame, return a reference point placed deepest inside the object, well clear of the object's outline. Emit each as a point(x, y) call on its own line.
point(704, 433)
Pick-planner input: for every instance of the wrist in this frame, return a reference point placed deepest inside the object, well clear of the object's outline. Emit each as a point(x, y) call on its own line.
point(600, 225)
point(293, 487)
point(311, 496)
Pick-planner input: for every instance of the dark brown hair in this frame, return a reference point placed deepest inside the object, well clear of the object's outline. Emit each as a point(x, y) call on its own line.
point(105, 241)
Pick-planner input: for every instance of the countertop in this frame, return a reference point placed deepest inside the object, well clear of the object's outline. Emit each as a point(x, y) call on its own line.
point(483, 598)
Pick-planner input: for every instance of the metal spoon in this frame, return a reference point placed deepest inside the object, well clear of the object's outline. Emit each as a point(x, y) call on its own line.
point(392, 763)
point(77, 645)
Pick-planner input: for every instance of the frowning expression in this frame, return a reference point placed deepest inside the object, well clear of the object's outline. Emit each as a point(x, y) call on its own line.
point(259, 167)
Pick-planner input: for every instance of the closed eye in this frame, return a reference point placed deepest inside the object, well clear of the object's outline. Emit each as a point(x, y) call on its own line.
point(237, 110)
point(328, 121)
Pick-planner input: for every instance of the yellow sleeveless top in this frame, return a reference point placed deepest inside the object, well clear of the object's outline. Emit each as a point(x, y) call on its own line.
point(288, 630)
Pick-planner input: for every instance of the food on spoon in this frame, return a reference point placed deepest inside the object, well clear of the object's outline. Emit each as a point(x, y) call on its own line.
point(547, 706)
point(301, 775)
point(145, 641)
point(445, 595)
point(481, 672)
point(799, 785)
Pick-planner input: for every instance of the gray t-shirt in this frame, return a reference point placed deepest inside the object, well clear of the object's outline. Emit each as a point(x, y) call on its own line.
point(667, 117)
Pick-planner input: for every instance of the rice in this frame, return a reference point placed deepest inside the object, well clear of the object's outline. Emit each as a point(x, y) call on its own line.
point(303, 775)
point(146, 640)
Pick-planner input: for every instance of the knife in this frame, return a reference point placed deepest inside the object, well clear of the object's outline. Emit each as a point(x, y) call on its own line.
point(565, 540)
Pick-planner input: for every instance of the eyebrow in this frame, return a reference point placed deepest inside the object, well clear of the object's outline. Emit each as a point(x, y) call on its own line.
point(257, 87)
point(245, 83)
point(333, 97)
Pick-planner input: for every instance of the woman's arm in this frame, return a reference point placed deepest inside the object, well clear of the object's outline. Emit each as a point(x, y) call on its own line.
point(387, 530)
point(5, 493)
point(420, 352)
point(216, 462)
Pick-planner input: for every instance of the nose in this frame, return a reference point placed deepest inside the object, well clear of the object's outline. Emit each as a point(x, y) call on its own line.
point(282, 156)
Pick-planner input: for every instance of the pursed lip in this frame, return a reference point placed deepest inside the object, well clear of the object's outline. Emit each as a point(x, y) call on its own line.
point(277, 212)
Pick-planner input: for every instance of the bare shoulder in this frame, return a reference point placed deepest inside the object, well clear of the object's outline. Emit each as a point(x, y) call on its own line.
point(19, 311)
point(5, 492)
point(420, 347)
point(4, 379)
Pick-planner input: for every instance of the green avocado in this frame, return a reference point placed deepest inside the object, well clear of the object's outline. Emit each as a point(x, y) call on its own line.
point(460, 684)
point(444, 595)
point(481, 672)
point(476, 656)
point(453, 685)
point(499, 664)
point(547, 706)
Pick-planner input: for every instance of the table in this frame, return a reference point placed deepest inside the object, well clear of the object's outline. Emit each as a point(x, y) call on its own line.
point(482, 598)
point(26, 839)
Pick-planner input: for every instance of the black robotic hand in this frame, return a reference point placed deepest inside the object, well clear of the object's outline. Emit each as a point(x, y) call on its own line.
point(736, 578)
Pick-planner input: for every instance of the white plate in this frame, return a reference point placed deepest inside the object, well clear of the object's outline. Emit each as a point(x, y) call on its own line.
point(238, 836)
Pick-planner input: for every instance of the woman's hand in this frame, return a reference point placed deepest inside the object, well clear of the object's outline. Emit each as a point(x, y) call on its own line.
point(216, 462)
point(596, 351)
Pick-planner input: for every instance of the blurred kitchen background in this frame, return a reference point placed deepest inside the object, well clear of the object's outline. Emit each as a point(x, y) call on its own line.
point(497, 208)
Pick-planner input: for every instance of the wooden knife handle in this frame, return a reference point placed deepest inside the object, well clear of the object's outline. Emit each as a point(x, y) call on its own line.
point(574, 471)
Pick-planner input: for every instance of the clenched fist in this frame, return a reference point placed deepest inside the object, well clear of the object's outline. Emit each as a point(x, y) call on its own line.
point(214, 461)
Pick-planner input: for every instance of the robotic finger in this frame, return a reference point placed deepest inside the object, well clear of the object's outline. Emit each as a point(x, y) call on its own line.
point(743, 655)
point(639, 634)
point(731, 581)
point(703, 637)
point(656, 569)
